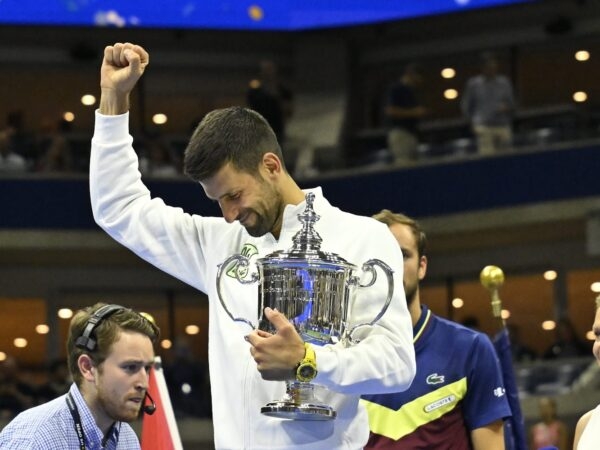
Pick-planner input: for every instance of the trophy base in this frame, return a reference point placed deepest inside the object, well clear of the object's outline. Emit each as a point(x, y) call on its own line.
point(304, 411)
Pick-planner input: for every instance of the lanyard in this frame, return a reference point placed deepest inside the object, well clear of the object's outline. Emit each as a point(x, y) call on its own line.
point(79, 426)
point(76, 420)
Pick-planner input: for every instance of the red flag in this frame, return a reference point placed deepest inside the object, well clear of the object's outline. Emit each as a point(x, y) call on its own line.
point(159, 430)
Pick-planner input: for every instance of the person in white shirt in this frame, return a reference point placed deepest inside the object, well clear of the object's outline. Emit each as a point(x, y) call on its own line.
point(236, 158)
point(488, 103)
point(587, 431)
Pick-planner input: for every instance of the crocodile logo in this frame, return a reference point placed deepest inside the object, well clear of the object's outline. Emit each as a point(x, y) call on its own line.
point(434, 378)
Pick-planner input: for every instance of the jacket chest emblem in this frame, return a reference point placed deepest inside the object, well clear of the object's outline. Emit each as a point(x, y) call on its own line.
point(248, 251)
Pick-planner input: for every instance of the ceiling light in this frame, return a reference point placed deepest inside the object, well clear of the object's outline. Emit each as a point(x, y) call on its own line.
point(159, 119)
point(550, 275)
point(450, 94)
point(88, 100)
point(582, 55)
point(65, 313)
point(548, 325)
point(580, 96)
point(42, 328)
point(192, 329)
point(448, 72)
point(20, 342)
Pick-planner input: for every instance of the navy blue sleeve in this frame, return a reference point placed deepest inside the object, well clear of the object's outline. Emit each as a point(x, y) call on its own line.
point(485, 401)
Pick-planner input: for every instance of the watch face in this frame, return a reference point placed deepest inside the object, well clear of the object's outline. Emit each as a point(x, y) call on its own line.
point(306, 371)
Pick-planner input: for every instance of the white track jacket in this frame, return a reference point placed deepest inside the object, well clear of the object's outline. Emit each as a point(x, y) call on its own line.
point(190, 248)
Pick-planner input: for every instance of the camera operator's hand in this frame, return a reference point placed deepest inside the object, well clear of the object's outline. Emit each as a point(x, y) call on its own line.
point(276, 355)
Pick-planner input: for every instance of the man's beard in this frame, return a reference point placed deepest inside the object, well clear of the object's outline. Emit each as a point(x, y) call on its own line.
point(260, 227)
point(411, 294)
point(116, 409)
point(271, 207)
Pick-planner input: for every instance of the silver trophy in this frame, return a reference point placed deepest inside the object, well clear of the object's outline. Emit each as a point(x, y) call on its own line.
point(315, 290)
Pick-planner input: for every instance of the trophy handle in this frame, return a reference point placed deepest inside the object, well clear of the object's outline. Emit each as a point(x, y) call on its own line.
point(242, 263)
point(369, 267)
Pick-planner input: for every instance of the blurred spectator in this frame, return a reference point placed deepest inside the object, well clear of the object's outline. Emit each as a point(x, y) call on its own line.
point(549, 431)
point(402, 112)
point(54, 147)
point(567, 344)
point(268, 96)
point(10, 159)
point(10, 162)
point(157, 158)
point(15, 394)
point(488, 103)
point(520, 351)
point(59, 382)
point(20, 141)
point(188, 382)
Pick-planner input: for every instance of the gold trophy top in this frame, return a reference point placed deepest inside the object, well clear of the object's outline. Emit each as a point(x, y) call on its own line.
point(492, 277)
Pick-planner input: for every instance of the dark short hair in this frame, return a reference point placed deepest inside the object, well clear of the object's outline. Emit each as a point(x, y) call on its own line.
point(389, 218)
point(235, 135)
point(106, 333)
point(487, 57)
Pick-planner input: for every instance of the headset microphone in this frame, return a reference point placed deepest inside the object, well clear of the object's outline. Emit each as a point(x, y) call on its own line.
point(151, 408)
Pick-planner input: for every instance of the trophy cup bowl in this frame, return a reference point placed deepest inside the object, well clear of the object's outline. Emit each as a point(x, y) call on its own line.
point(315, 291)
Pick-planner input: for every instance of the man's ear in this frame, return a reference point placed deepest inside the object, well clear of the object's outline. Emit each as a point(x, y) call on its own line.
point(86, 367)
point(422, 267)
point(271, 163)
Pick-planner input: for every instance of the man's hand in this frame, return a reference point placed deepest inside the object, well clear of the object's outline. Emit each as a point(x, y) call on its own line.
point(276, 355)
point(122, 67)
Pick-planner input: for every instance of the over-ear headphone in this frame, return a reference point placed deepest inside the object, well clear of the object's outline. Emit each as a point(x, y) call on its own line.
point(87, 341)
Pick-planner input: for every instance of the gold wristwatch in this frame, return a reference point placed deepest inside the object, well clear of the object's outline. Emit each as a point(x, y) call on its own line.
point(307, 368)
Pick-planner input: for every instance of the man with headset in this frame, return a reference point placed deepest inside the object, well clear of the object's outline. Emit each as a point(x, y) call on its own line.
point(110, 353)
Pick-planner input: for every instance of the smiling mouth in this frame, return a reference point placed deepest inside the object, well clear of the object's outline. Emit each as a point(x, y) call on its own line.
point(244, 219)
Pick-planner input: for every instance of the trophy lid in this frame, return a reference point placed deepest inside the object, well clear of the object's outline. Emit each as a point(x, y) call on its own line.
point(306, 246)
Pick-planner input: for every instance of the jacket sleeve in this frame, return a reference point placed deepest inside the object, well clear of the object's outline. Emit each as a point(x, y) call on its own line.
point(122, 206)
point(383, 360)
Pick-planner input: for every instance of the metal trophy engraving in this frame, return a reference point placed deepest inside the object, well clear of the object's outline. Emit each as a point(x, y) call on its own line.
point(315, 291)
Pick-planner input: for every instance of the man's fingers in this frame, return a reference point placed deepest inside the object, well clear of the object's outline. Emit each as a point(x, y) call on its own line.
point(108, 54)
point(127, 54)
point(256, 336)
point(133, 59)
point(277, 319)
point(144, 56)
